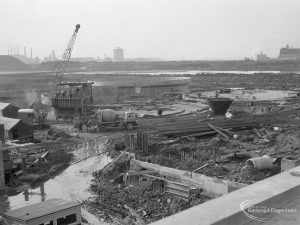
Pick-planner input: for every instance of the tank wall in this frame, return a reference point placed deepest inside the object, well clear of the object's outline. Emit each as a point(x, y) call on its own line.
point(114, 92)
point(126, 93)
point(105, 94)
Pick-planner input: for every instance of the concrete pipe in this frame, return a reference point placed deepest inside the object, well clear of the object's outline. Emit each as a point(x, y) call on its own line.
point(18, 173)
point(264, 162)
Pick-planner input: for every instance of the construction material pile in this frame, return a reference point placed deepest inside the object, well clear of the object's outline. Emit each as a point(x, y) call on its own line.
point(192, 126)
point(55, 134)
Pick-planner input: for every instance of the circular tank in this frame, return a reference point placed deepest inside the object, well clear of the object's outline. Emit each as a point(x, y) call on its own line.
point(219, 105)
point(108, 115)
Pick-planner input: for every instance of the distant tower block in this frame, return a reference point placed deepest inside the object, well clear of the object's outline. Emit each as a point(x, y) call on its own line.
point(118, 54)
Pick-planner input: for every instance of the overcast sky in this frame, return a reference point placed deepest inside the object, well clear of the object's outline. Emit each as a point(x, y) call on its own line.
point(167, 29)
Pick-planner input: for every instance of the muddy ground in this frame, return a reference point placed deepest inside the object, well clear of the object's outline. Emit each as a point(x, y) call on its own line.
point(230, 163)
point(232, 155)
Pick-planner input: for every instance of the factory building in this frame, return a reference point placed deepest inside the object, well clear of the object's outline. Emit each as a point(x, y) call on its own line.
point(289, 53)
point(262, 57)
point(118, 54)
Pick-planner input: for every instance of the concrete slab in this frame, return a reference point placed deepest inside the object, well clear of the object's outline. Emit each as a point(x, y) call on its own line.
point(214, 186)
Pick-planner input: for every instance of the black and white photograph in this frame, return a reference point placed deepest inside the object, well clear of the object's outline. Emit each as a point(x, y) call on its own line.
point(159, 112)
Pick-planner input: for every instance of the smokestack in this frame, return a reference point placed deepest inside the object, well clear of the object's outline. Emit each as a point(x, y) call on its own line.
point(31, 53)
point(7, 51)
point(18, 51)
point(25, 52)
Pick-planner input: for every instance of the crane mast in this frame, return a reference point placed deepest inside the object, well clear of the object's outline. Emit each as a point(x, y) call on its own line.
point(63, 64)
point(42, 103)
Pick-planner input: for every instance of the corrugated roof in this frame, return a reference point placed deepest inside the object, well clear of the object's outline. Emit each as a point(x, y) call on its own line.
point(37, 210)
point(9, 123)
point(3, 105)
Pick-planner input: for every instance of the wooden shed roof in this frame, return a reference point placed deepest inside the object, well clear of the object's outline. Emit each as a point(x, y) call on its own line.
point(9, 123)
point(27, 213)
point(3, 105)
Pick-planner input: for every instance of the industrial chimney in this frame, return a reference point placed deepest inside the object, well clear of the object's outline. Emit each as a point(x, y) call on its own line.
point(25, 55)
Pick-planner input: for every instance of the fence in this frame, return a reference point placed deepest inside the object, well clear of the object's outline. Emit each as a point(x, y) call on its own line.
point(202, 153)
point(137, 142)
point(142, 141)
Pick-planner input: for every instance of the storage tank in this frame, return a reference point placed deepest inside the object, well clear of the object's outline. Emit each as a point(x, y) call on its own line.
point(219, 105)
point(107, 115)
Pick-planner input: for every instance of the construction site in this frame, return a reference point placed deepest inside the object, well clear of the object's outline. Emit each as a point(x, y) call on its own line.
point(141, 148)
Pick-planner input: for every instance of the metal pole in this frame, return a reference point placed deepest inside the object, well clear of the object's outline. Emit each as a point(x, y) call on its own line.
point(2, 177)
point(24, 166)
point(42, 189)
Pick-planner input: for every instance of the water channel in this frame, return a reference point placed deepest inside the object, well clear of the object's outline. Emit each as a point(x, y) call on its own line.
point(71, 184)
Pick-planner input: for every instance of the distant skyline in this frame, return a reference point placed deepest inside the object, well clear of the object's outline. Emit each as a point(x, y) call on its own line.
point(165, 29)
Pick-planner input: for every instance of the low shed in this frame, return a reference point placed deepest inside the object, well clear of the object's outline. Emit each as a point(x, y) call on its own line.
point(8, 110)
point(15, 128)
point(49, 212)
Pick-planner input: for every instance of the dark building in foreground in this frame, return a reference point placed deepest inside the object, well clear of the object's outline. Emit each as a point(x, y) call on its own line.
point(16, 128)
point(18, 123)
point(8, 110)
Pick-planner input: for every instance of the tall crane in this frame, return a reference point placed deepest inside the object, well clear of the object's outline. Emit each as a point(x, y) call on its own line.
point(63, 64)
point(42, 103)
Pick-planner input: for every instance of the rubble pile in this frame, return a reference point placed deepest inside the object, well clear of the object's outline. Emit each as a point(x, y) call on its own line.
point(177, 142)
point(150, 205)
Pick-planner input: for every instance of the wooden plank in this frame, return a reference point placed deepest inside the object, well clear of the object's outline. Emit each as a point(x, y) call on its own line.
point(200, 134)
point(179, 190)
point(201, 167)
point(220, 132)
point(227, 131)
point(136, 215)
